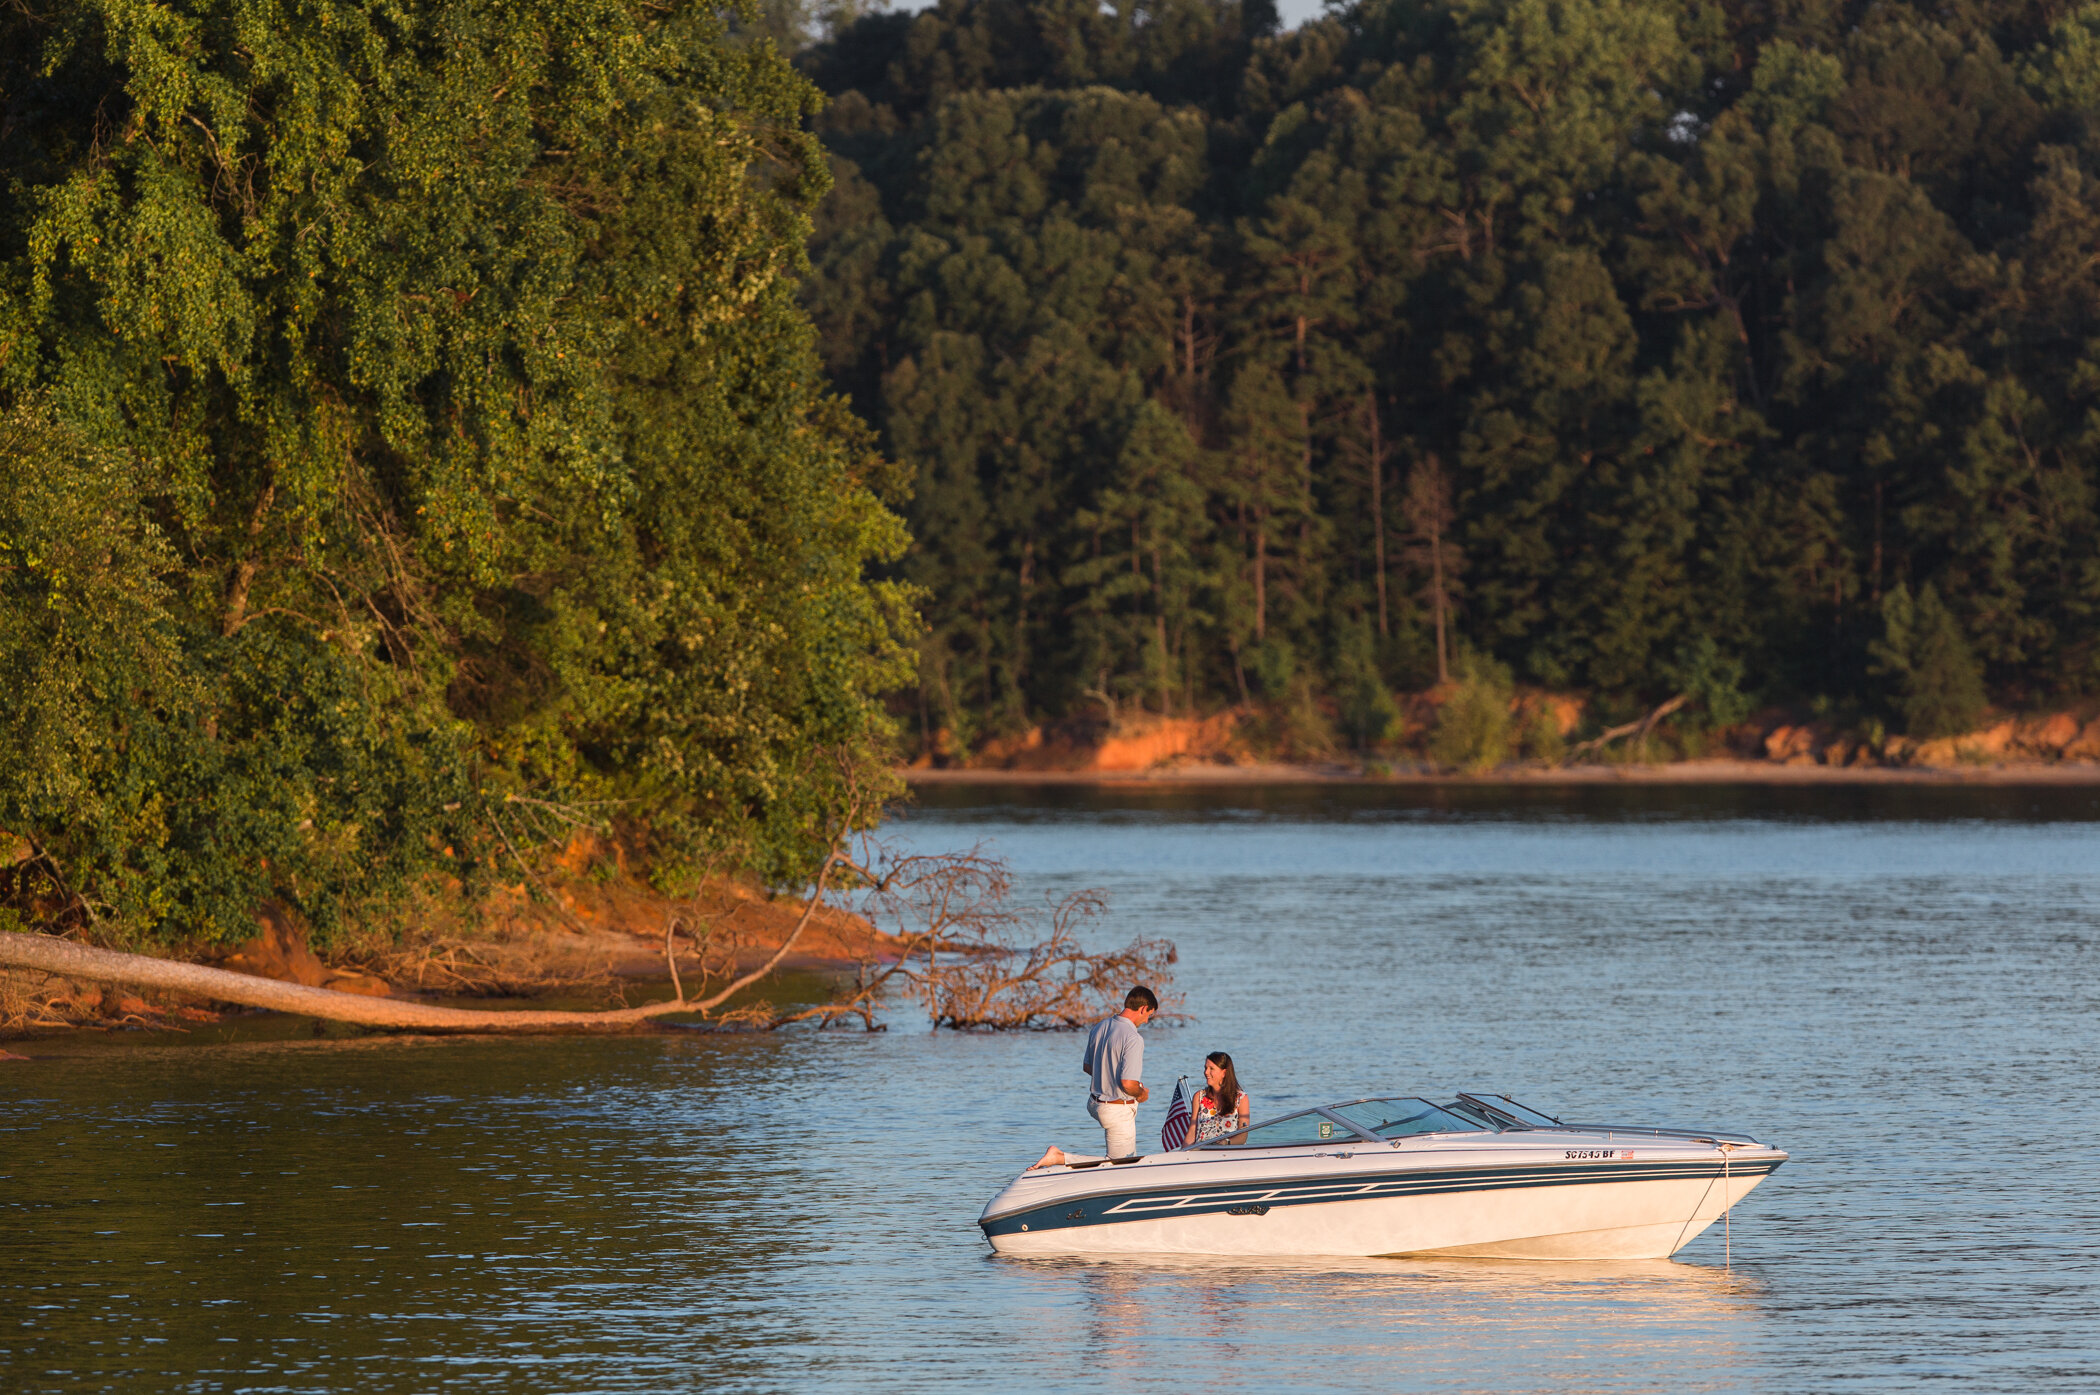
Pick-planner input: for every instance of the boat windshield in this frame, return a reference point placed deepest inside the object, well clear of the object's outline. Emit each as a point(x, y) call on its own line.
point(1306, 1126)
point(1503, 1112)
point(1399, 1118)
point(1356, 1122)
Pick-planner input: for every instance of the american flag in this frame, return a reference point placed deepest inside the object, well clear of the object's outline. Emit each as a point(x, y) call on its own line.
point(1175, 1131)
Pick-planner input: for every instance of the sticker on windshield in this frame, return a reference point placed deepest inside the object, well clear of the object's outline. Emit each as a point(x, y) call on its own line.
point(1326, 1131)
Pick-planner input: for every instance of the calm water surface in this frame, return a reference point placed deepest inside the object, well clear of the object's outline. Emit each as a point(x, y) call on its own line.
point(1897, 986)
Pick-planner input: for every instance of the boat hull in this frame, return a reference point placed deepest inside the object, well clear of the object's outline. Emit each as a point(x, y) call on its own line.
point(1632, 1210)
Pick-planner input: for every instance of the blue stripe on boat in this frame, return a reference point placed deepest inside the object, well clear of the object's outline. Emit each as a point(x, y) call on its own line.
point(1108, 1209)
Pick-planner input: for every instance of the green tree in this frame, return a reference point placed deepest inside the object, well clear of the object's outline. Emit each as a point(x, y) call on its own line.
point(1141, 578)
point(1724, 317)
point(1938, 679)
point(459, 355)
point(1369, 714)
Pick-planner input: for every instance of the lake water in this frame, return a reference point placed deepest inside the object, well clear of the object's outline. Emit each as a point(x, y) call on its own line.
point(1896, 985)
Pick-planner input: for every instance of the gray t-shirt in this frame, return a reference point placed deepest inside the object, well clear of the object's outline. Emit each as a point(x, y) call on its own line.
point(1114, 1053)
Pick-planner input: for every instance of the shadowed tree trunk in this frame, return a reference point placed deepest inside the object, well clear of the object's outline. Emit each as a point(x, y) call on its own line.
point(1430, 513)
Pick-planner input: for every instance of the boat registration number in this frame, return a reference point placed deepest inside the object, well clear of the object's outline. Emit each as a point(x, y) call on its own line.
point(1601, 1154)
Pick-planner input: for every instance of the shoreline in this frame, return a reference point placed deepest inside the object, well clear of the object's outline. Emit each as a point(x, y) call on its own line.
point(593, 944)
point(600, 937)
point(1689, 772)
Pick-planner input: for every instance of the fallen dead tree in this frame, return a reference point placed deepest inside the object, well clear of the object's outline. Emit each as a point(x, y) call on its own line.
point(78, 961)
point(1639, 730)
point(963, 949)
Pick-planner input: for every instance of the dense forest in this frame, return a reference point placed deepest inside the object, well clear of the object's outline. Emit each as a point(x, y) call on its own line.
point(429, 430)
point(1742, 349)
point(412, 451)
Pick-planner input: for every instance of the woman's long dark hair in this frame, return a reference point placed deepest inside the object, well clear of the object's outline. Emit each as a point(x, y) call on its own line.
point(1228, 1091)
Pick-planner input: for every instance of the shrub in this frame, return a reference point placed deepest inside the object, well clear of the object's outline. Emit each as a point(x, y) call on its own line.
point(1370, 716)
point(1307, 734)
point(1542, 739)
point(1274, 668)
point(1473, 726)
point(1713, 681)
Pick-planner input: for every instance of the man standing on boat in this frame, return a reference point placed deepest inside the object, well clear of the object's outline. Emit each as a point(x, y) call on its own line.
point(1115, 1064)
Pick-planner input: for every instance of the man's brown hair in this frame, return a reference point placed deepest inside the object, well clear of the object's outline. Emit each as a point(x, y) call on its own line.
point(1140, 997)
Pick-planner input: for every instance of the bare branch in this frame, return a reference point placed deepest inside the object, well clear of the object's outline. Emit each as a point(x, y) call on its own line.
point(1643, 727)
point(537, 880)
point(816, 898)
point(671, 957)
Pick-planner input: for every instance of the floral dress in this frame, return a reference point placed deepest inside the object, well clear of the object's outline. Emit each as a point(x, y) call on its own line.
point(1209, 1123)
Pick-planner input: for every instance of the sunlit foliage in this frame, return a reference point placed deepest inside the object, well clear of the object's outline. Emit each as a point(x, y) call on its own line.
point(410, 409)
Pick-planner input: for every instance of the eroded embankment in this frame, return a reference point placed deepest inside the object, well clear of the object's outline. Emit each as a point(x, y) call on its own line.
point(588, 937)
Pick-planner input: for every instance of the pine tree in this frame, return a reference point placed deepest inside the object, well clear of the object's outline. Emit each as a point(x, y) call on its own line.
point(1722, 320)
point(1432, 551)
point(1938, 678)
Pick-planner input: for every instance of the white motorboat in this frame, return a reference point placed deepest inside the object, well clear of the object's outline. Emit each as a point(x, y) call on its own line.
point(1480, 1176)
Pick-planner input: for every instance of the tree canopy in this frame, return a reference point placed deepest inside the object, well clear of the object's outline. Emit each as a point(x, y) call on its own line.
point(414, 447)
point(1718, 325)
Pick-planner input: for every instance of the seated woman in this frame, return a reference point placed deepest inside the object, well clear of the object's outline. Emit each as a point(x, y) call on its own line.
point(1221, 1106)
